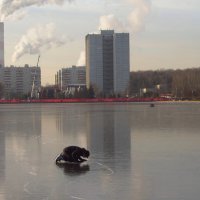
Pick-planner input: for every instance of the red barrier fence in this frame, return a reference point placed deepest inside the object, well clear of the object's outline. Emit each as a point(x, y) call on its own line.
point(78, 100)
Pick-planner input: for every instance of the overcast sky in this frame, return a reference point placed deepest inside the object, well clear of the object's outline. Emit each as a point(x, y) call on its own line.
point(163, 33)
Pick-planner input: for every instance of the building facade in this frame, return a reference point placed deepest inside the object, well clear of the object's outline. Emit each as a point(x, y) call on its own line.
point(71, 77)
point(108, 62)
point(18, 81)
point(1, 44)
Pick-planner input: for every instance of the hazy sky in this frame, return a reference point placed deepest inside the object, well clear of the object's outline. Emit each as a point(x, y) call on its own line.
point(163, 33)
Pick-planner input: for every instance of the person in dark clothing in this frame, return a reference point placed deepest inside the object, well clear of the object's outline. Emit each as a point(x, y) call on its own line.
point(73, 154)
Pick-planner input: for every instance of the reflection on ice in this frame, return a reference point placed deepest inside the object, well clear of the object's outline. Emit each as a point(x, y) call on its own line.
point(73, 169)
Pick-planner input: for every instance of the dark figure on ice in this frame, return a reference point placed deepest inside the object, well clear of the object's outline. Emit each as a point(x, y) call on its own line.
point(73, 154)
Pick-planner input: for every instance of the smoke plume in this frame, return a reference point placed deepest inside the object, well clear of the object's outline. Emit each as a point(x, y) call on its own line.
point(36, 39)
point(11, 8)
point(81, 60)
point(135, 19)
point(110, 22)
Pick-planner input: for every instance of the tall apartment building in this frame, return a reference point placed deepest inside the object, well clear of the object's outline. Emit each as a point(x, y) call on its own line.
point(19, 80)
point(108, 62)
point(1, 44)
point(71, 77)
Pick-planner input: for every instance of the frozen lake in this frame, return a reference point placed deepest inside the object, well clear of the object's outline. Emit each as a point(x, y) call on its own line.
point(137, 152)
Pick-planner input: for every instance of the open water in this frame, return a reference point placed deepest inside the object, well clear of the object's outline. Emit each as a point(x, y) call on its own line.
point(137, 152)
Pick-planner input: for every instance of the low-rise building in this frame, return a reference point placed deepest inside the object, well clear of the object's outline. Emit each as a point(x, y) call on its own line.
point(74, 76)
point(18, 81)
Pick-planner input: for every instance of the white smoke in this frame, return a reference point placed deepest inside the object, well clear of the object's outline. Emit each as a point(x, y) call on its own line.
point(110, 22)
point(81, 60)
point(36, 39)
point(16, 16)
point(135, 19)
point(11, 8)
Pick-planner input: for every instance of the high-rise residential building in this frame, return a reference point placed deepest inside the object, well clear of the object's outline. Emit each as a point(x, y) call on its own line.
point(108, 62)
point(1, 44)
point(74, 76)
point(18, 81)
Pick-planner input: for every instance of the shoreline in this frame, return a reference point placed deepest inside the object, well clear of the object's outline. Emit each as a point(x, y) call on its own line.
point(94, 100)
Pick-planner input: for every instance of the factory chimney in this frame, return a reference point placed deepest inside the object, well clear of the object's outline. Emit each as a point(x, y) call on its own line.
point(1, 44)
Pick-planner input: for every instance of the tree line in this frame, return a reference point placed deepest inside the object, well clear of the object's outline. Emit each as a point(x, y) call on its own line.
point(181, 84)
point(52, 92)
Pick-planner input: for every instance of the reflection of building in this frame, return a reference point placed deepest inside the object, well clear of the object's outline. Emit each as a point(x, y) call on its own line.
point(22, 125)
point(19, 80)
point(2, 158)
point(1, 44)
point(71, 124)
point(67, 78)
point(109, 131)
point(107, 62)
point(110, 143)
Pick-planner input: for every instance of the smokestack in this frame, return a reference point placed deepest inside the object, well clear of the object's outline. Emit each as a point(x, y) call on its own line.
point(1, 44)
